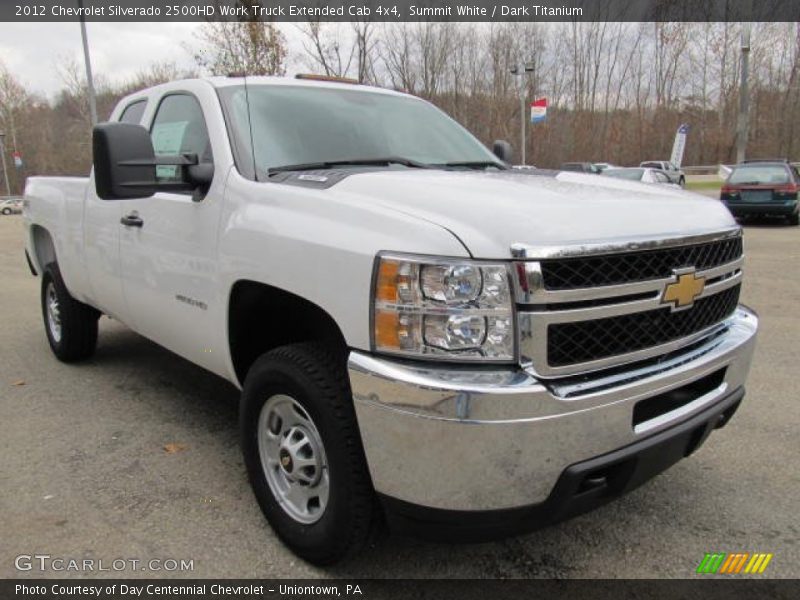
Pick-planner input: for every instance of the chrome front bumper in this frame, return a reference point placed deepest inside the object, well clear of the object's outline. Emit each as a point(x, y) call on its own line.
point(477, 439)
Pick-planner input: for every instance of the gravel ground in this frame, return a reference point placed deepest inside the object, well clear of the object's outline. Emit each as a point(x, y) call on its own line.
point(84, 472)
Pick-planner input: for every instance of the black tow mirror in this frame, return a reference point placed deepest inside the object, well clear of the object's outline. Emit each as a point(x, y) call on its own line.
point(200, 176)
point(502, 150)
point(125, 165)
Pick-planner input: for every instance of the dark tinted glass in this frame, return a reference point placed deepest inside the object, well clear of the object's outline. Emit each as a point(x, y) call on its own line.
point(133, 112)
point(179, 128)
point(633, 174)
point(759, 174)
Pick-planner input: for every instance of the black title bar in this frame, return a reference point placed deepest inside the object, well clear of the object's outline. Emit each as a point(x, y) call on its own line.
point(401, 11)
point(372, 589)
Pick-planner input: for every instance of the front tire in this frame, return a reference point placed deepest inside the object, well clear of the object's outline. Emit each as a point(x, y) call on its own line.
point(303, 452)
point(6, 211)
point(71, 326)
point(794, 219)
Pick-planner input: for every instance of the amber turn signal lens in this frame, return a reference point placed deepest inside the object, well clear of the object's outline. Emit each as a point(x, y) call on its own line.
point(386, 289)
point(387, 329)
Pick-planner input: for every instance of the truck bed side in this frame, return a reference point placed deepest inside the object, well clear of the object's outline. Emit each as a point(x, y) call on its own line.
point(53, 218)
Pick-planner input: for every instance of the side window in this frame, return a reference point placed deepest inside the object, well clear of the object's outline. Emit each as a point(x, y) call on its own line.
point(133, 112)
point(179, 128)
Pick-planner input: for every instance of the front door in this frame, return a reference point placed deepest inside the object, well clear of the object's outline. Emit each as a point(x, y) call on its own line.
point(168, 251)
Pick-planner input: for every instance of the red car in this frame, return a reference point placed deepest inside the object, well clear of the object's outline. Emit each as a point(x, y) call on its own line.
point(763, 188)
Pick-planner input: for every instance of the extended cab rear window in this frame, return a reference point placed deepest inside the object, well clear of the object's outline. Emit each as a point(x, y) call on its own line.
point(759, 174)
point(133, 112)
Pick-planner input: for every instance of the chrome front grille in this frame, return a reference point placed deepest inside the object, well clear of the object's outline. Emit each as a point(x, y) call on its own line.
point(609, 309)
point(586, 341)
point(593, 271)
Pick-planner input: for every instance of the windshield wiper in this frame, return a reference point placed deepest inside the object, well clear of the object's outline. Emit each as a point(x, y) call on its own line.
point(330, 164)
point(749, 183)
point(473, 164)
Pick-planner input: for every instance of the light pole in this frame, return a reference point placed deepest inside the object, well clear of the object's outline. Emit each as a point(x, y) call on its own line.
point(5, 169)
point(87, 61)
point(519, 71)
point(744, 100)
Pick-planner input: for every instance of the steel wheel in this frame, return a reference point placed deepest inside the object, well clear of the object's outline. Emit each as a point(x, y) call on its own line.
point(70, 325)
point(293, 459)
point(53, 312)
point(302, 450)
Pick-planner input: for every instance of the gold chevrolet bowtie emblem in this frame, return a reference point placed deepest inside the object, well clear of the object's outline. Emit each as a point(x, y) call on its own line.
point(684, 290)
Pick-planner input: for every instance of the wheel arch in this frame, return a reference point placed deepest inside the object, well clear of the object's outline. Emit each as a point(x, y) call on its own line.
point(262, 317)
point(44, 248)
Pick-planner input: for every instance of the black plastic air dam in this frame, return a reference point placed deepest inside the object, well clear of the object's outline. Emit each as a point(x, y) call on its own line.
point(581, 487)
point(661, 404)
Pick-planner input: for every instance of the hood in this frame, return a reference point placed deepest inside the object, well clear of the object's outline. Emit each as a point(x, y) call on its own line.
point(491, 211)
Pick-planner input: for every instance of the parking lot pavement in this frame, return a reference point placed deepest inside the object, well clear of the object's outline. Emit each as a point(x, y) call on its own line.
point(84, 473)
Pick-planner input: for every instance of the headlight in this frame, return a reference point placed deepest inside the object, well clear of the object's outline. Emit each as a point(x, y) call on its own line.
point(449, 309)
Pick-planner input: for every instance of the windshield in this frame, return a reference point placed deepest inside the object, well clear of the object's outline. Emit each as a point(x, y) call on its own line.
point(759, 174)
point(634, 174)
point(301, 125)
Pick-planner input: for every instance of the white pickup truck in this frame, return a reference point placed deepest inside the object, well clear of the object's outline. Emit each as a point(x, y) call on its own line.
point(420, 333)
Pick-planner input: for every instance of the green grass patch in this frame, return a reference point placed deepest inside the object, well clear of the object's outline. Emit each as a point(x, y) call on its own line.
point(703, 185)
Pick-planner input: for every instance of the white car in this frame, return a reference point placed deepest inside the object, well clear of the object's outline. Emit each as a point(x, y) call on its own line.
point(604, 165)
point(645, 175)
point(417, 330)
point(675, 174)
point(11, 206)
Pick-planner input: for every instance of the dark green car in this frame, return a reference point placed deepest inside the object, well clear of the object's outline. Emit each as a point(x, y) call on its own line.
point(763, 188)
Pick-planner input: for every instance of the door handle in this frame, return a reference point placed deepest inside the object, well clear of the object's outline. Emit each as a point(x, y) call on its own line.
point(132, 220)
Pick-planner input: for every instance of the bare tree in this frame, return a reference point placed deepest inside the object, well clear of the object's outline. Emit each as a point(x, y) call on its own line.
point(249, 47)
point(327, 48)
point(365, 50)
point(13, 98)
point(157, 73)
point(616, 90)
point(398, 54)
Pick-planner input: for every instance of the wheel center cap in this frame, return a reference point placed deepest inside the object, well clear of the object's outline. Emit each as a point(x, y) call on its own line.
point(286, 460)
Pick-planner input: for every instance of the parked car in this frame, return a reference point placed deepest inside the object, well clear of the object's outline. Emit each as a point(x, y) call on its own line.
point(763, 188)
point(604, 165)
point(644, 175)
point(580, 167)
point(419, 332)
point(9, 206)
point(675, 174)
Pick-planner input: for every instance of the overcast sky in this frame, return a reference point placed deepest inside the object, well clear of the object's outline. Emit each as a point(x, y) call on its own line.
point(32, 51)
